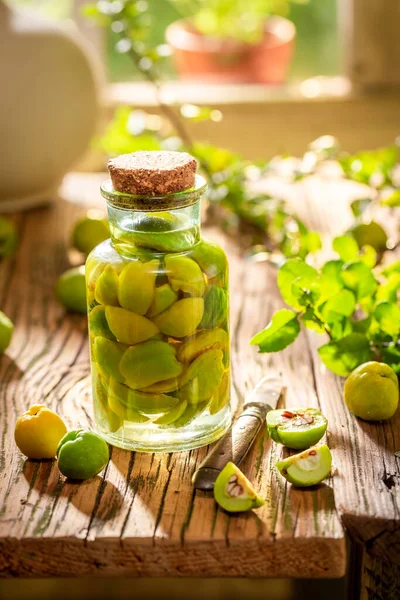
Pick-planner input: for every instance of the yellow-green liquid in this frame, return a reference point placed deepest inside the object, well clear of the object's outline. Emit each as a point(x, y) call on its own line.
point(159, 340)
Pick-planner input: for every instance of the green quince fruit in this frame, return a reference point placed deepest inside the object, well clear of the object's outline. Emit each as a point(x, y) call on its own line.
point(82, 454)
point(89, 232)
point(371, 391)
point(71, 289)
point(6, 332)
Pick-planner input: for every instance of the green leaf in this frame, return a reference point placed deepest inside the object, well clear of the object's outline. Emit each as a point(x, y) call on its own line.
point(371, 167)
point(370, 234)
point(92, 11)
point(330, 280)
point(392, 199)
point(367, 304)
point(348, 250)
point(279, 333)
point(393, 268)
point(368, 256)
point(346, 247)
point(388, 316)
point(361, 325)
point(358, 278)
point(290, 271)
point(341, 305)
point(89, 10)
point(342, 356)
point(311, 321)
point(388, 289)
point(391, 356)
point(307, 293)
point(340, 328)
point(118, 139)
point(310, 242)
point(217, 159)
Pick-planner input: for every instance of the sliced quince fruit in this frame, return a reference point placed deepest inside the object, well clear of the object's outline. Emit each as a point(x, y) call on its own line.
point(307, 468)
point(234, 492)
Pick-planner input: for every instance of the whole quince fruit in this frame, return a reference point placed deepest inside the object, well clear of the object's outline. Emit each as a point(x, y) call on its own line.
point(372, 391)
point(38, 432)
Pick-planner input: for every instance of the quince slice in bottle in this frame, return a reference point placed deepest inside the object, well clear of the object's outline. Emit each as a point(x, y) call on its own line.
point(182, 318)
point(185, 274)
point(128, 327)
point(203, 377)
point(136, 285)
point(148, 363)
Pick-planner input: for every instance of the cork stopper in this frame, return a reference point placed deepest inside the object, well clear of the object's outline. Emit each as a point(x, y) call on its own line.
point(153, 173)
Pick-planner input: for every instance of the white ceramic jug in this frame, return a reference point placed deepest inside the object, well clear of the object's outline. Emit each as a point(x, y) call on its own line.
point(49, 105)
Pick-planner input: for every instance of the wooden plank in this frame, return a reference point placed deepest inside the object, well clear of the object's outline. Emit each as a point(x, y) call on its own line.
point(141, 516)
point(367, 481)
point(380, 580)
point(369, 506)
point(217, 94)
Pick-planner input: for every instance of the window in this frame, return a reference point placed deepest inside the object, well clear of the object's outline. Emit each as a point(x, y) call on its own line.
point(345, 51)
point(317, 47)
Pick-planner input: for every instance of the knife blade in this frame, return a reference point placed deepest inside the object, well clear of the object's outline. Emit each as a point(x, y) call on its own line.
point(234, 446)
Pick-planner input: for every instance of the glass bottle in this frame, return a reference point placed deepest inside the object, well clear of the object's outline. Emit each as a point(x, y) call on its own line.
point(158, 318)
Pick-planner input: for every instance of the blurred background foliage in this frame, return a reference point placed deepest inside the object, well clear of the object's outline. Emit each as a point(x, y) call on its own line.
point(317, 45)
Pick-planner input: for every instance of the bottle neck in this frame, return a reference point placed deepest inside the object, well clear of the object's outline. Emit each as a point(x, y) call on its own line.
point(135, 231)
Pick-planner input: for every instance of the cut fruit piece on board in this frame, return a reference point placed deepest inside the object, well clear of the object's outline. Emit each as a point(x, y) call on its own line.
point(234, 492)
point(307, 468)
point(297, 428)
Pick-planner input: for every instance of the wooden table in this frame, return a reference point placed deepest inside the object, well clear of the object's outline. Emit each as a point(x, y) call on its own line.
point(141, 516)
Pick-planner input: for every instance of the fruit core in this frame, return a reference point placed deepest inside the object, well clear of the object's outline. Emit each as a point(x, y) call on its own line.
point(309, 462)
point(298, 419)
point(234, 487)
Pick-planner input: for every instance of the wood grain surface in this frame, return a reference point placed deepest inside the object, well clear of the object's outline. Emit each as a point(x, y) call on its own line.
point(141, 516)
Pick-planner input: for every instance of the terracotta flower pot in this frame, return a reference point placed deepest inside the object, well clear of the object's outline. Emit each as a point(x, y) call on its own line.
point(202, 58)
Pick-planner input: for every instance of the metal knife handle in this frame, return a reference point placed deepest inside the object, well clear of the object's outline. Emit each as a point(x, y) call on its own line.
point(233, 447)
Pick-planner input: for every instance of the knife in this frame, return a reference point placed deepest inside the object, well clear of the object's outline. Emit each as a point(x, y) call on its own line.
point(234, 446)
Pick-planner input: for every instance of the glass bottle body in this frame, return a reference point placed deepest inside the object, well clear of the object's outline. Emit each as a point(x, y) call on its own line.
point(158, 313)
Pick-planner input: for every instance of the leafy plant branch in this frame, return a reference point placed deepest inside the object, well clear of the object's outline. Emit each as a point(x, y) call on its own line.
point(227, 172)
point(349, 299)
point(130, 20)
